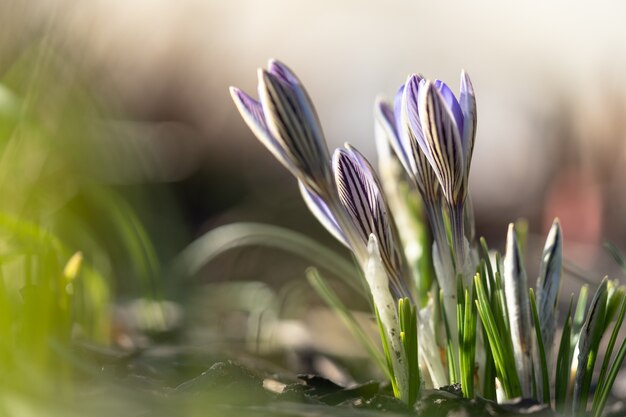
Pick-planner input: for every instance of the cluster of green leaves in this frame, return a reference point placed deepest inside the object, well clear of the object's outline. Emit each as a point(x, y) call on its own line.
point(583, 330)
point(493, 311)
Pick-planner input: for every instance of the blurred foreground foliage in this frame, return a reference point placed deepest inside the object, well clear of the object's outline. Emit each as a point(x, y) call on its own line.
point(61, 232)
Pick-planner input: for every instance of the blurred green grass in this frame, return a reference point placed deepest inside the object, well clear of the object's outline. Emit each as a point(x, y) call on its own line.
point(58, 272)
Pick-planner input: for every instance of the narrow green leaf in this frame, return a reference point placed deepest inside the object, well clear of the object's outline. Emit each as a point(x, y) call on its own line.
point(545, 379)
point(224, 238)
point(408, 326)
point(324, 290)
point(563, 362)
point(450, 353)
point(603, 387)
point(387, 350)
point(610, 379)
point(502, 354)
point(590, 336)
point(485, 256)
point(468, 342)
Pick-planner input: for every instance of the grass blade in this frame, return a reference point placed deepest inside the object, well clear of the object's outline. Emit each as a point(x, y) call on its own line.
point(563, 362)
point(231, 236)
point(450, 353)
point(603, 387)
point(545, 379)
point(408, 328)
point(590, 336)
point(610, 379)
point(499, 342)
point(322, 288)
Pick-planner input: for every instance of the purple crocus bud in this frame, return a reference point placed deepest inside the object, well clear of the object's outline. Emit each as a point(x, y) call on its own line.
point(442, 140)
point(443, 130)
point(361, 196)
point(448, 129)
point(411, 128)
point(286, 122)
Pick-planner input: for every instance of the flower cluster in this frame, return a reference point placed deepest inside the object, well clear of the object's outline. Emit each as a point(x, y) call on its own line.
point(425, 140)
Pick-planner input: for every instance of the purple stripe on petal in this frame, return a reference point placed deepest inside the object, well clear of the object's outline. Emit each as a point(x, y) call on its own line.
point(360, 194)
point(365, 165)
point(443, 142)
point(354, 191)
point(292, 120)
point(451, 102)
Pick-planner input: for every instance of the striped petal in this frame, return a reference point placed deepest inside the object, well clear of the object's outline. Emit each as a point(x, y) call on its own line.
point(421, 169)
point(516, 292)
point(252, 114)
point(322, 213)
point(467, 101)
point(442, 142)
point(292, 120)
point(549, 282)
point(451, 102)
point(361, 196)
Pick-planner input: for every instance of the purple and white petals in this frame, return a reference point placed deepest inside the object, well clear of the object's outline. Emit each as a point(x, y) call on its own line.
point(361, 196)
point(451, 103)
point(467, 101)
point(322, 213)
point(442, 142)
point(409, 111)
point(421, 170)
point(292, 121)
point(252, 114)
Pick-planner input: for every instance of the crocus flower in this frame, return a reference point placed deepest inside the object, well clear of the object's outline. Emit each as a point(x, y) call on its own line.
point(286, 122)
point(361, 195)
point(346, 196)
point(444, 130)
point(404, 139)
point(404, 142)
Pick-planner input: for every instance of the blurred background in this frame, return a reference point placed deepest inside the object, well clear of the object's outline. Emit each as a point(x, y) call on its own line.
point(131, 103)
